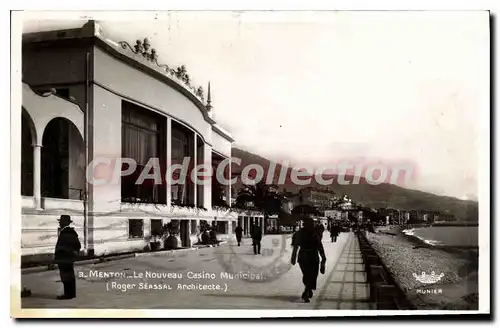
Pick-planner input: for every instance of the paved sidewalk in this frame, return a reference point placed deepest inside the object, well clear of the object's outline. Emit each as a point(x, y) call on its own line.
point(280, 293)
point(346, 286)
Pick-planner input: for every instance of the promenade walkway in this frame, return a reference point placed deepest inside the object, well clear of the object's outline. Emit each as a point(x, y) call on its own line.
point(343, 286)
point(346, 287)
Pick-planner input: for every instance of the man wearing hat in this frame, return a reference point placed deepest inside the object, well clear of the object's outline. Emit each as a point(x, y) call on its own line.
point(67, 249)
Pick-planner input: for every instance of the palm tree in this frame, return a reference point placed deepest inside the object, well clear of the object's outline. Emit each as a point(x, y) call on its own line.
point(260, 196)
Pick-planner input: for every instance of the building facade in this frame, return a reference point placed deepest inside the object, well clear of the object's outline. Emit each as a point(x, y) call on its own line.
point(89, 102)
point(335, 215)
point(321, 199)
point(392, 216)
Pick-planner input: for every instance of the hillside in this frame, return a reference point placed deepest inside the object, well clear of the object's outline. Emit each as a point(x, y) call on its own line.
point(375, 196)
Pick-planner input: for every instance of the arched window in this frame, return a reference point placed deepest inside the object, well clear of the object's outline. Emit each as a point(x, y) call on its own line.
point(27, 140)
point(63, 164)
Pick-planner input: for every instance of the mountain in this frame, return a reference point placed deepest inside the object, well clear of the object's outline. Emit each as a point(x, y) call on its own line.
point(375, 196)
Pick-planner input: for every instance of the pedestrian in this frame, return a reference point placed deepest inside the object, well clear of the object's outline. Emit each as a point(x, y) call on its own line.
point(239, 234)
point(67, 250)
point(309, 248)
point(213, 236)
point(256, 238)
point(334, 232)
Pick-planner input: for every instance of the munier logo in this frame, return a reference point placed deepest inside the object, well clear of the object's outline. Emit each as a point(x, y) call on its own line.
point(428, 278)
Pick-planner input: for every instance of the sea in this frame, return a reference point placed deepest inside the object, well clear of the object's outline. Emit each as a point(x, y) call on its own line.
point(455, 236)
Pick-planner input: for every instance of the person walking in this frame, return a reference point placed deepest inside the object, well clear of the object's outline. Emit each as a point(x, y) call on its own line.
point(334, 232)
point(213, 236)
point(239, 234)
point(309, 248)
point(67, 250)
point(256, 238)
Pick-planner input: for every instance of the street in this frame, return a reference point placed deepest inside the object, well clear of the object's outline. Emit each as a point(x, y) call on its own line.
point(193, 279)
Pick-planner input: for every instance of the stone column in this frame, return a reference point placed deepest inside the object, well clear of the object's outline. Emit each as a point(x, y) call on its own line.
point(207, 188)
point(146, 228)
point(229, 228)
point(37, 176)
point(245, 225)
point(169, 162)
point(228, 186)
point(188, 233)
point(198, 230)
point(194, 162)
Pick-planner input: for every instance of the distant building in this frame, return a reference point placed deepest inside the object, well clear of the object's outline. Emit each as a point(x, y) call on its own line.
point(428, 217)
point(345, 215)
point(406, 217)
point(391, 215)
point(248, 218)
point(447, 217)
point(366, 214)
point(319, 198)
point(335, 215)
point(344, 203)
point(290, 201)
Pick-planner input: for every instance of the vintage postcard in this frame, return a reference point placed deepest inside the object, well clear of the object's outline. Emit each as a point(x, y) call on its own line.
point(297, 163)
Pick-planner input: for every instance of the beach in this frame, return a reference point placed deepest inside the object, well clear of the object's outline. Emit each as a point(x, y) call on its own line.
point(405, 256)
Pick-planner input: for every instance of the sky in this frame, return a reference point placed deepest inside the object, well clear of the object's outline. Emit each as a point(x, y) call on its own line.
point(315, 88)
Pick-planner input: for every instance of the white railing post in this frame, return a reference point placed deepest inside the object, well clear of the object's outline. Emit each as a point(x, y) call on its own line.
point(37, 180)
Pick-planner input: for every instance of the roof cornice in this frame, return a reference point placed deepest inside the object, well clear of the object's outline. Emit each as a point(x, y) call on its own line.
point(140, 57)
point(220, 131)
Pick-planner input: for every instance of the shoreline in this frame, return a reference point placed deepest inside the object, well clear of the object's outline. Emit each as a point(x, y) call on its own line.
point(467, 253)
point(406, 256)
point(463, 251)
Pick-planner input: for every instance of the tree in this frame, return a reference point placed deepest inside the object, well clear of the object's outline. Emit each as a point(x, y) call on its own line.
point(261, 197)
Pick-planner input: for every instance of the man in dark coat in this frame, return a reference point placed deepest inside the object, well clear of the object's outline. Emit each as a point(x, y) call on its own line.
point(256, 238)
point(67, 250)
point(307, 250)
point(334, 232)
point(239, 234)
point(213, 234)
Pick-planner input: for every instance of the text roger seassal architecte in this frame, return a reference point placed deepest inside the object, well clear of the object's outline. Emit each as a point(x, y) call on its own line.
point(123, 287)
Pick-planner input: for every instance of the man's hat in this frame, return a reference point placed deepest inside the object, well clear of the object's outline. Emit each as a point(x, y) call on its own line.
point(65, 219)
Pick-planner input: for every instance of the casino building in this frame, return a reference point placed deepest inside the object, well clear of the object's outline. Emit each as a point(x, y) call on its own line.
point(87, 99)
